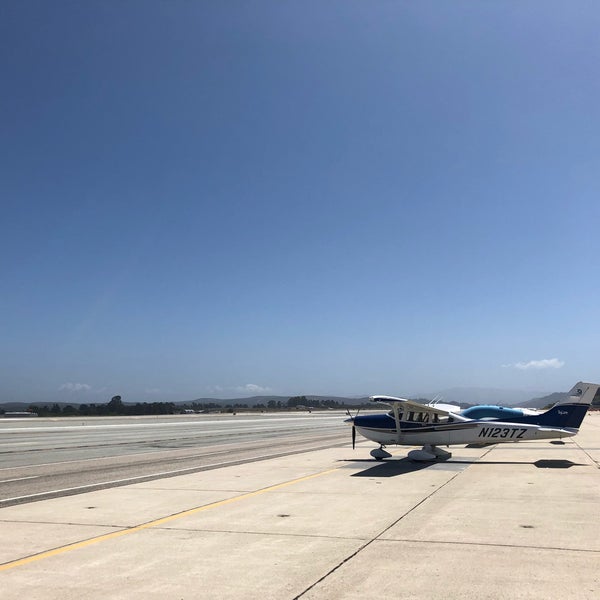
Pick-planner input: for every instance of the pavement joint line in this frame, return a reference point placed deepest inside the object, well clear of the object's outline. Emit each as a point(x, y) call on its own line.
point(594, 462)
point(156, 522)
point(378, 536)
point(491, 545)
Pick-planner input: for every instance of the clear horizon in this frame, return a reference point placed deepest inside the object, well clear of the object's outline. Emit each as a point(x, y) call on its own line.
point(470, 396)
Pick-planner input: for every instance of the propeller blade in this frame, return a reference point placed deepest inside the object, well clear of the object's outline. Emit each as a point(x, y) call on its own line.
point(353, 437)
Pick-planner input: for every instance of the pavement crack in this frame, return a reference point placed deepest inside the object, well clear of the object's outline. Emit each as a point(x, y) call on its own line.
point(263, 533)
point(493, 545)
point(96, 525)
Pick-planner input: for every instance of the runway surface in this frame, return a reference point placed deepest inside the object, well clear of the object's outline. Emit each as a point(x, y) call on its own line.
point(42, 458)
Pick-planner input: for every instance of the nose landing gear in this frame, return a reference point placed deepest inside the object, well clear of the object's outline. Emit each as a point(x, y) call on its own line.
point(380, 453)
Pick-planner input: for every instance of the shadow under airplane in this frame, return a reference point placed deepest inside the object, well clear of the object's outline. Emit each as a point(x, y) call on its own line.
point(393, 468)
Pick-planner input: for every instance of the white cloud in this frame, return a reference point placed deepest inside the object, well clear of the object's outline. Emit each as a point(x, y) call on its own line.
point(252, 388)
point(75, 387)
point(545, 363)
point(214, 389)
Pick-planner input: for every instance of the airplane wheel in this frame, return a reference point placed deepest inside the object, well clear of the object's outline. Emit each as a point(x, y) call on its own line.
point(380, 454)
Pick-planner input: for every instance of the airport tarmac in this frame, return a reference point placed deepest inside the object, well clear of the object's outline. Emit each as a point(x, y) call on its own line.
point(511, 521)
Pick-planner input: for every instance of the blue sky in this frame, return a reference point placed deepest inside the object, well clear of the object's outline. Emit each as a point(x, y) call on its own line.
point(230, 198)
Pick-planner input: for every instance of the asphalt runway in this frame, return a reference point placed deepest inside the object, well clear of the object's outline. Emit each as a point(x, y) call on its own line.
point(43, 458)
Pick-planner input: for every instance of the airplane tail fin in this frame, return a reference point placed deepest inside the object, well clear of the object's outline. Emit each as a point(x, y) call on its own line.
point(570, 412)
point(582, 393)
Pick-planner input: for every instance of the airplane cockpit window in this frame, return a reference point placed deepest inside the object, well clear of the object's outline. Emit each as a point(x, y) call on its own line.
point(419, 417)
point(400, 414)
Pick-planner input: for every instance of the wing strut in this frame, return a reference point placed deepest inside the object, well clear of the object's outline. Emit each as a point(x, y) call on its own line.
point(396, 409)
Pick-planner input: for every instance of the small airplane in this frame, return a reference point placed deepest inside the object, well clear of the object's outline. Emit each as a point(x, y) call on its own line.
point(411, 423)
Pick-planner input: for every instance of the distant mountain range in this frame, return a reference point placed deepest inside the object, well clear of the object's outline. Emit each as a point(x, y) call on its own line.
point(460, 396)
point(475, 395)
point(545, 400)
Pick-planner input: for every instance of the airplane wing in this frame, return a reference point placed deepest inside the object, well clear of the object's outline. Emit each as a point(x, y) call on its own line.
point(404, 409)
point(405, 405)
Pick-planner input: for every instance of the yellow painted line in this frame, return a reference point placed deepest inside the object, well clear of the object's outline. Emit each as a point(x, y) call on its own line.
point(186, 513)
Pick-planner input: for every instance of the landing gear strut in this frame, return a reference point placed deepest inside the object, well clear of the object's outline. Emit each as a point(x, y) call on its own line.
point(380, 453)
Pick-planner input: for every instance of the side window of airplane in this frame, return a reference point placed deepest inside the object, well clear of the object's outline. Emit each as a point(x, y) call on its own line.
point(400, 414)
point(411, 416)
point(426, 418)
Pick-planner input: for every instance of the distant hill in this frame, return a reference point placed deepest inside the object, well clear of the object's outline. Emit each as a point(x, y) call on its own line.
point(545, 400)
point(475, 395)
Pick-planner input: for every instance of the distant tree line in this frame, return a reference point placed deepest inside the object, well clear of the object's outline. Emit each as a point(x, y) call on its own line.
point(116, 407)
point(102, 410)
point(314, 403)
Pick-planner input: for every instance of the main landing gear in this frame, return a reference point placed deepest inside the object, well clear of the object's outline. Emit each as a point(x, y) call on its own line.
point(425, 454)
point(429, 453)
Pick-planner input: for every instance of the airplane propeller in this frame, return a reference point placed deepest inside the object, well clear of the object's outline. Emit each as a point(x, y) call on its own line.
point(353, 427)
